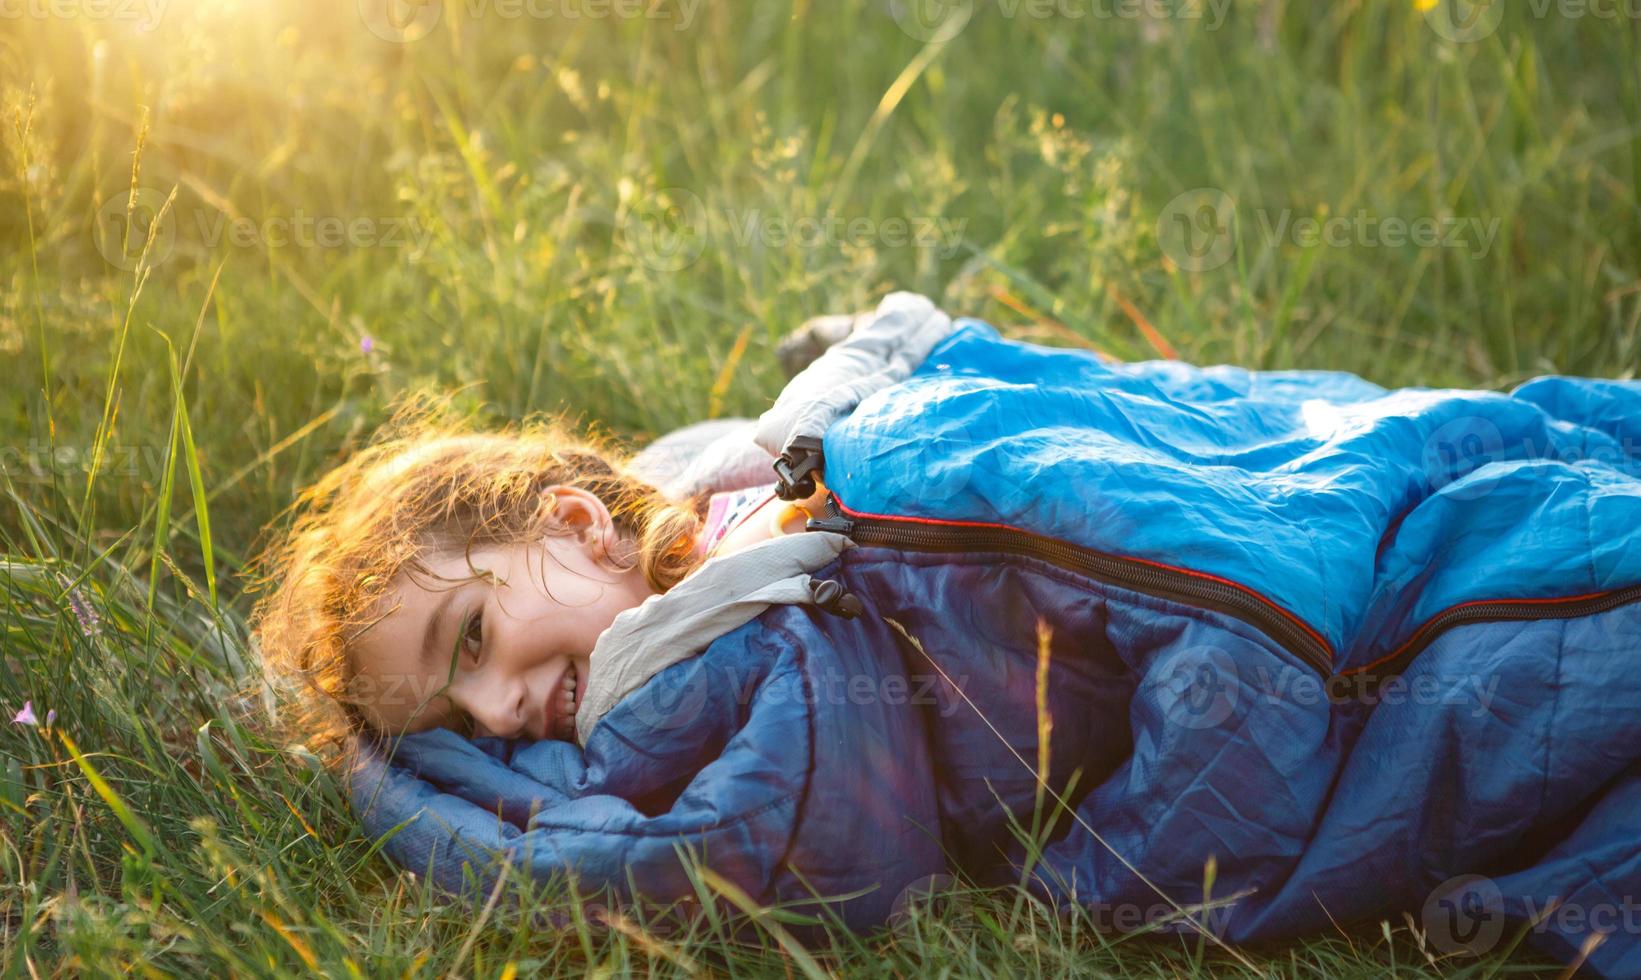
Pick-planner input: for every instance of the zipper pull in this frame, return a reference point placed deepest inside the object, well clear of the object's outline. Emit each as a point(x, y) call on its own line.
point(834, 520)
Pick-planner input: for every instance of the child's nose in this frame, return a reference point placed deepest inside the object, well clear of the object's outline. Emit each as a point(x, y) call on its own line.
point(498, 708)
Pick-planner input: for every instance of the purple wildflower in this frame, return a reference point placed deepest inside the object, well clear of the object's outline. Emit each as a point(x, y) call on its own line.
point(26, 716)
point(83, 610)
point(367, 343)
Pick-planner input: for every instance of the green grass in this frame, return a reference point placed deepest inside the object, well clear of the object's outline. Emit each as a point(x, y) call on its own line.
point(504, 186)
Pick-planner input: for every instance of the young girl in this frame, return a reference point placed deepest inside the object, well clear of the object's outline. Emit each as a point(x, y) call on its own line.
point(447, 577)
point(452, 578)
point(1366, 651)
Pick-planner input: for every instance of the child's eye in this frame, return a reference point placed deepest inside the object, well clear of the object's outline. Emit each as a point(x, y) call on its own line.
point(473, 636)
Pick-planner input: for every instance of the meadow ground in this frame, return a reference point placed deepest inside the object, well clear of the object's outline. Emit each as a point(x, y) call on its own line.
point(232, 233)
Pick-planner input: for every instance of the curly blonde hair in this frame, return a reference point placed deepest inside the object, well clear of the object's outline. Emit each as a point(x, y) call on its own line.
point(431, 484)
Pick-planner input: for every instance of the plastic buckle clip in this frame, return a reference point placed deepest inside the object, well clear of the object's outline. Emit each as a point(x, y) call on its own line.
point(796, 467)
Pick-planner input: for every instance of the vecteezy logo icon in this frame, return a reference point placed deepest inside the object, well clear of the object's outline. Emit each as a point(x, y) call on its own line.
point(666, 230)
point(1465, 915)
point(1197, 229)
point(1463, 21)
point(672, 698)
point(932, 21)
point(946, 454)
point(1457, 449)
point(126, 221)
point(401, 21)
point(918, 893)
point(1199, 687)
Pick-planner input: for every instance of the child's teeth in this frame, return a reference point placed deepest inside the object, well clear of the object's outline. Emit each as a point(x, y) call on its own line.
point(567, 699)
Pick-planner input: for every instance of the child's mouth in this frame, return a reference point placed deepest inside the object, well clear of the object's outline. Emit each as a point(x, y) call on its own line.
point(567, 699)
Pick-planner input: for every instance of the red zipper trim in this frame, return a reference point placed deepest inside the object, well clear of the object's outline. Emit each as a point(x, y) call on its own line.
point(992, 525)
point(1419, 635)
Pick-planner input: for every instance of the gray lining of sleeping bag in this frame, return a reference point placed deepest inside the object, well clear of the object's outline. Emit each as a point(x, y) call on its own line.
point(731, 590)
point(883, 347)
point(704, 457)
point(722, 594)
point(883, 350)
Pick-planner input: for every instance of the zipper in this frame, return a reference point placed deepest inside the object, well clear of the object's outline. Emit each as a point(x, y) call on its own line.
point(1155, 580)
point(1180, 585)
point(1494, 611)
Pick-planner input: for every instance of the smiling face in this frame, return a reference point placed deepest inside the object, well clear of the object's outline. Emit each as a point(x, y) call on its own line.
point(497, 641)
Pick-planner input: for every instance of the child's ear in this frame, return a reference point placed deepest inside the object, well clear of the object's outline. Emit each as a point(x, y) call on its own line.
point(583, 516)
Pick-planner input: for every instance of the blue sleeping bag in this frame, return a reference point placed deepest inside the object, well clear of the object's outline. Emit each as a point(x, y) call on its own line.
point(1369, 651)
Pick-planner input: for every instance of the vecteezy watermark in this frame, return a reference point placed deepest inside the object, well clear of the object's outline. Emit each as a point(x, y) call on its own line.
point(833, 687)
point(932, 21)
point(41, 461)
point(131, 224)
point(1200, 687)
point(916, 894)
point(938, 21)
point(669, 229)
point(673, 698)
point(678, 694)
point(666, 230)
point(1465, 21)
point(127, 224)
point(405, 21)
point(1458, 456)
point(1199, 230)
point(1151, 916)
point(145, 14)
point(942, 234)
point(1464, 915)
point(401, 21)
point(1292, 685)
point(302, 230)
point(1459, 448)
point(1467, 914)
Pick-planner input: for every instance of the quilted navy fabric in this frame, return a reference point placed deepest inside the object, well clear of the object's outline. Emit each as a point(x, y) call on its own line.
point(1370, 651)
